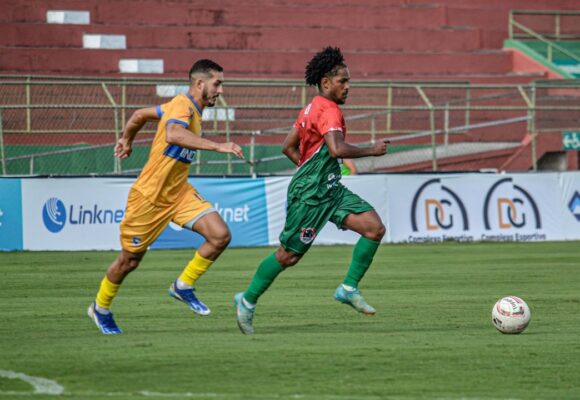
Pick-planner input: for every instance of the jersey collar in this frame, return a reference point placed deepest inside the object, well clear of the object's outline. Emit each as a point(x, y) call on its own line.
point(195, 104)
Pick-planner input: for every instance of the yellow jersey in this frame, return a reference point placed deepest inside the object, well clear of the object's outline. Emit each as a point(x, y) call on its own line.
point(164, 177)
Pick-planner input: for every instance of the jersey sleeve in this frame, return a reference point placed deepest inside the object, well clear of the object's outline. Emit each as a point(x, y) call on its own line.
point(179, 111)
point(160, 109)
point(330, 120)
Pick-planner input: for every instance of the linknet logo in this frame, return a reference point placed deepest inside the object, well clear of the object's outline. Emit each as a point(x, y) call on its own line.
point(574, 205)
point(441, 207)
point(54, 215)
point(515, 207)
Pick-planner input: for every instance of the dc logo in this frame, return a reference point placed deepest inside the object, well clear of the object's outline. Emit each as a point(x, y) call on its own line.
point(574, 205)
point(440, 207)
point(54, 215)
point(513, 207)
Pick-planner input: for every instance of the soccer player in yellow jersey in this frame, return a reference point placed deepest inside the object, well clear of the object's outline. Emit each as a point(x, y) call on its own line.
point(161, 193)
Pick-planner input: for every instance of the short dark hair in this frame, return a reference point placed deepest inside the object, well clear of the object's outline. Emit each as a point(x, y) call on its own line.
point(205, 66)
point(325, 63)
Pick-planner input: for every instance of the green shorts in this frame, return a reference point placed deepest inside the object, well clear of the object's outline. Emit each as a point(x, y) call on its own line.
point(305, 221)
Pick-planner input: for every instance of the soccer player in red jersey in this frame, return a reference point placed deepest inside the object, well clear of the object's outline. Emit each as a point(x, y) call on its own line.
point(316, 144)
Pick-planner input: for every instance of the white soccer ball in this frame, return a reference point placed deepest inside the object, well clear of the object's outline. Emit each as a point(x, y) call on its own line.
point(511, 315)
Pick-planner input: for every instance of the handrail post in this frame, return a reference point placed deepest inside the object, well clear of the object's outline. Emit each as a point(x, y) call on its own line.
point(446, 125)
point(28, 103)
point(432, 125)
point(433, 140)
point(253, 154)
point(389, 108)
point(116, 161)
point(511, 25)
point(467, 108)
point(557, 26)
point(2, 154)
point(533, 131)
point(227, 121)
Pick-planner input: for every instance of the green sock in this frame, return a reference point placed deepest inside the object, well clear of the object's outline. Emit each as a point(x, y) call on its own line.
point(263, 278)
point(362, 257)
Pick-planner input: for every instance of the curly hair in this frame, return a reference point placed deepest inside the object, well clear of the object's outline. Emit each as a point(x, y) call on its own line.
point(325, 63)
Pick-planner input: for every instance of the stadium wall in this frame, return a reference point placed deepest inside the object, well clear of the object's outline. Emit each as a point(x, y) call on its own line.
point(84, 213)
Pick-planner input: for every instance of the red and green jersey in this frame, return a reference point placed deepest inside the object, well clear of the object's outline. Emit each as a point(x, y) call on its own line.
point(318, 177)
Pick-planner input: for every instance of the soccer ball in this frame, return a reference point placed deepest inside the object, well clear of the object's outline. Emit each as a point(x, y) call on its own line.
point(511, 315)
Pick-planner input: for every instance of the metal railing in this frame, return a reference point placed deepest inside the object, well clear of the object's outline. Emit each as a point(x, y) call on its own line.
point(45, 121)
point(519, 30)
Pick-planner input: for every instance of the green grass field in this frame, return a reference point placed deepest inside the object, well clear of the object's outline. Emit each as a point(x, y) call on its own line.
point(432, 337)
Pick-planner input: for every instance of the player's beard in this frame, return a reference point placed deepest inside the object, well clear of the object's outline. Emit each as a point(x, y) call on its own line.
point(209, 101)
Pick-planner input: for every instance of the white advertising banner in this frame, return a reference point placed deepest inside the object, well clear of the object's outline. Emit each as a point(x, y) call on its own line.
point(85, 213)
point(373, 189)
point(570, 204)
point(73, 213)
point(470, 207)
point(276, 191)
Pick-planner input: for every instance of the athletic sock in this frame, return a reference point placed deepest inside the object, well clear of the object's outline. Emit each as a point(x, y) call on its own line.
point(362, 257)
point(107, 292)
point(263, 278)
point(194, 270)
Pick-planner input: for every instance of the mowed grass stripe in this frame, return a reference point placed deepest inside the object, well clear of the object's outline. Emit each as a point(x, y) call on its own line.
point(431, 339)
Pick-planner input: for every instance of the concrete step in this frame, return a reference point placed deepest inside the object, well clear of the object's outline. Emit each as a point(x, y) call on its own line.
point(291, 39)
point(504, 4)
point(149, 12)
point(252, 63)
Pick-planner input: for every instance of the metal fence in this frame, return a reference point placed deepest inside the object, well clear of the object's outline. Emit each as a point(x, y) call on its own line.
point(551, 29)
point(68, 126)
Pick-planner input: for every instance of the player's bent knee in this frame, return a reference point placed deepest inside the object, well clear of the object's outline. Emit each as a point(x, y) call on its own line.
point(222, 240)
point(287, 259)
point(377, 233)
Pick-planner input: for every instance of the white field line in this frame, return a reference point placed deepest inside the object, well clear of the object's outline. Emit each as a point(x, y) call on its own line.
point(40, 385)
point(43, 386)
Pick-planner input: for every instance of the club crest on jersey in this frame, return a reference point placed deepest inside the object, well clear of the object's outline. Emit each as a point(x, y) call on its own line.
point(331, 181)
point(307, 235)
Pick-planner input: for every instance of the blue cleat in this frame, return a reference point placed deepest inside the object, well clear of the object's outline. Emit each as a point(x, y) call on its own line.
point(245, 315)
point(188, 297)
point(354, 299)
point(104, 322)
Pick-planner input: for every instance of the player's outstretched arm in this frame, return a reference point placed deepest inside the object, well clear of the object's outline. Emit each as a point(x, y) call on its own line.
point(291, 146)
point(338, 148)
point(124, 146)
point(177, 134)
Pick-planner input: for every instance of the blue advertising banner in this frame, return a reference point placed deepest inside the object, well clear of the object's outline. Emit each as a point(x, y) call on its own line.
point(241, 202)
point(10, 214)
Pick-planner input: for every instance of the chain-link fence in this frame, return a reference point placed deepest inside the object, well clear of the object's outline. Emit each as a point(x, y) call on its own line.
point(68, 126)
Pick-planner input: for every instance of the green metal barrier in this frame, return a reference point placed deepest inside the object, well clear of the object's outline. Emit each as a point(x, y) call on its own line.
point(69, 125)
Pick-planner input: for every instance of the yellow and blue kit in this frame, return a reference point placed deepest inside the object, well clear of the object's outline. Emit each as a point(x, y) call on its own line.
point(161, 193)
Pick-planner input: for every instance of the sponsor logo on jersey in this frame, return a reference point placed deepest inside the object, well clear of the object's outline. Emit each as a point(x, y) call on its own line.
point(179, 153)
